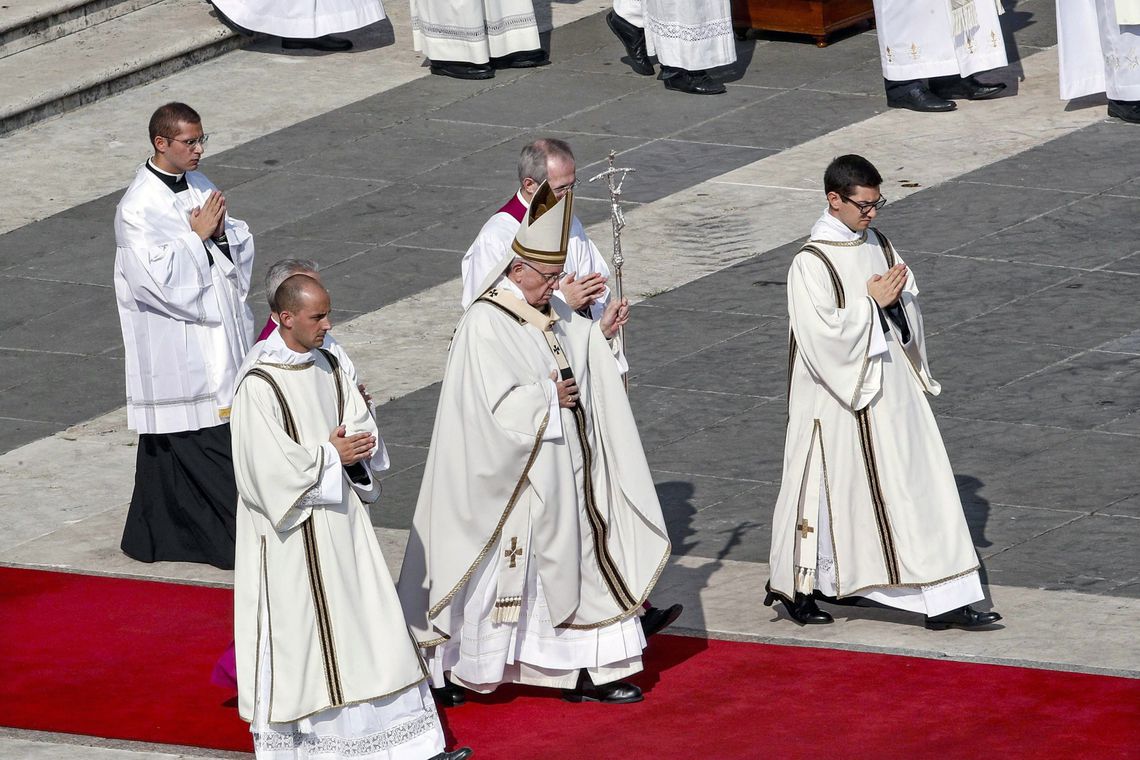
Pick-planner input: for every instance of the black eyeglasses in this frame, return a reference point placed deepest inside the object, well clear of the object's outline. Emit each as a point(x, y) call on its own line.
point(192, 143)
point(547, 278)
point(865, 206)
point(562, 189)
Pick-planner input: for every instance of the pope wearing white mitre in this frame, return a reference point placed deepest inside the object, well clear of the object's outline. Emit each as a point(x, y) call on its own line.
point(326, 666)
point(538, 534)
point(1098, 47)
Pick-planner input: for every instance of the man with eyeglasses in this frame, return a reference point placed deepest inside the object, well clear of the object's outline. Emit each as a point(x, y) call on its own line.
point(931, 50)
point(182, 274)
point(868, 506)
point(538, 534)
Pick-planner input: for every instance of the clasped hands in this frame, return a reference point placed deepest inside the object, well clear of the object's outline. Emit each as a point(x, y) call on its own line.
point(886, 288)
point(582, 293)
point(209, 219)
point(352, 448)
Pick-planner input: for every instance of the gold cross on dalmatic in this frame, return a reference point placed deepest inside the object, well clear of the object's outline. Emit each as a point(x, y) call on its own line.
point(514, 552)
point(804, 528)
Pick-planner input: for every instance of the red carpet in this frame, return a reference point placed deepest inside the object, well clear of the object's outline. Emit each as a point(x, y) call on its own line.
point(132, 659)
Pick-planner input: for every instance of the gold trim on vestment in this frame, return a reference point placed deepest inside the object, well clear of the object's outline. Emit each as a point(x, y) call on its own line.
point(921, 584)
point(882, 520)
point(538, 257)
point(866, 361)
point(290, 367)
point(321, 612)
point(845, 243)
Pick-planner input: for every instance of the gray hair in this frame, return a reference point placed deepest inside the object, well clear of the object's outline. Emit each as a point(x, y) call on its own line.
point(535, 155)
point(281, 271)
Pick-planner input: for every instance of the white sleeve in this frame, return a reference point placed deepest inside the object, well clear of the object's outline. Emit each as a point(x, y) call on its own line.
point(553, 430)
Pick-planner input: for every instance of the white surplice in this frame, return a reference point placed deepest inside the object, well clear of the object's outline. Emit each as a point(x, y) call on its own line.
point(519, 526)
point(326, 666)
point(494, 241)
point(299, 19)
point(686, 35)
point(919, 39)
point(1098, 53)
point(868, 505)
point(473, 31)
point(186, 326)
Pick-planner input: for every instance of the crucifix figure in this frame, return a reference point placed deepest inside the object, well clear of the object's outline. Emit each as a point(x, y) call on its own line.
point(514, 552)
point(803, 528)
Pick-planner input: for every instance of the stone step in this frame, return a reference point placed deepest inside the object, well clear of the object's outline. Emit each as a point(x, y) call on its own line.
point(157, 39)
point(29, 23)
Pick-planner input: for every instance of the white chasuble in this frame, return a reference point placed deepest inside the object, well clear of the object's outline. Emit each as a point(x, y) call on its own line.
point(919, 39)
point(1097, 51)
point(302, 19)
point(186, 325)
point(868, 504)
point(322, 646)
point(538, 534)
point(686, 35)
point(473, 31)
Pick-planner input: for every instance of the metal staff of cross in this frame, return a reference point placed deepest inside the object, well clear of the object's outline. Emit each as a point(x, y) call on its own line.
point(615, 178)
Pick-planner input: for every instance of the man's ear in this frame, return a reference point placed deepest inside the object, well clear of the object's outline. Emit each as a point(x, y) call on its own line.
point(285, 318)
point(833, 200)
point(530, 186)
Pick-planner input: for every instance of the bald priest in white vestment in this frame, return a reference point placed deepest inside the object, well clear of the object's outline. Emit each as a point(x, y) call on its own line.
point(868, 506)
point(182, 274)
point(302, 24)
point(931, 50)
point(1098, 44)
point(326, 665)
point(538, 534)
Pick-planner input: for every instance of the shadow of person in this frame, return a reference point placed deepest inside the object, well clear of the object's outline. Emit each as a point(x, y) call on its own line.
point(976, 508)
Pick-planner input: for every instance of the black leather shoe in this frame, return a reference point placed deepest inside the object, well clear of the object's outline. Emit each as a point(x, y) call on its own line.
point(919, 98)
point(656, 619)
point(964, 617)
point(327, 44)
point(524, 59)
point(802, 608)
point(1128, 110)
point(692, 82)
point(633, 38)
point(456, 754)
point(462, 70)
point(964, 88)
point(449, 695)
point(612, 693)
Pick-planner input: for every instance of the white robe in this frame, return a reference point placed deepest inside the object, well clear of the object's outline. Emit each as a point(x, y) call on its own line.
point(325, 660)
point(186, 326)
point(544, 482)
point(684, 34)
point(1097, 53)
point(473, 31)
point(301, 19)
point(918, 40)
point(868, 505)
point(494, 242)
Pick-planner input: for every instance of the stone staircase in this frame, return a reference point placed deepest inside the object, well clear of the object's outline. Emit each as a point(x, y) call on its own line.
point(56, 55)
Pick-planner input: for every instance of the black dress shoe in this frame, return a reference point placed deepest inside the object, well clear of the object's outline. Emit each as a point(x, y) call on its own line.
point(462, 69)
point(449, 695)
point(633, 39)
point(524, 59)
point(656, 619)
point(327, 44)
point(692, 82)
point(1128, 110)
point(801, 608)
point(612, 693)
point(918, 97)
point(964, 88)
point(456, 754)
point(964, 617)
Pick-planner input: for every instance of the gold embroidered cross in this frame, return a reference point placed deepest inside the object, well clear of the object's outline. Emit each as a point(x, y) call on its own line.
point(804, 528)
point(514, 552)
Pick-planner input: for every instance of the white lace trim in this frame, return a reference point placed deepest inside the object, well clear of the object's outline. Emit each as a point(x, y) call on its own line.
point(474, 33)
point(1128, 62)
point(690, 32)
point(348, 746)
point(510, 23)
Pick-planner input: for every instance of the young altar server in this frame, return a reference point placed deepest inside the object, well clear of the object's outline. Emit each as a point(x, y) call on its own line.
point(1098, 44)
point(182, 273)
point(326, 665)
point(868, 506)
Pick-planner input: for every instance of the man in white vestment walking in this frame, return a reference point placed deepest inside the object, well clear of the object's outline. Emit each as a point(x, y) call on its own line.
point(182, 273)
point(931, 49)
point(688, 38)
point(1098, 45)
point(868, 505)
point(537, 535)
point(471, 39)
point(326, 666)
point(310, 24)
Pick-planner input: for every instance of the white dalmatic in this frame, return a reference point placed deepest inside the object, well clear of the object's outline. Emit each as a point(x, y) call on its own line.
point(919, 39)
point(302, 19)
point(473, 31)
point(683, 34)
point(1098, 43)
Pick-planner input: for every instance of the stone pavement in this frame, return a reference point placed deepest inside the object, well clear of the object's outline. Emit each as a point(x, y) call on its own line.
point(1014, 214)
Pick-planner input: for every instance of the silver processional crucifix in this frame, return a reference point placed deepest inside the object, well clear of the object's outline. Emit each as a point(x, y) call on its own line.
point(615, 178)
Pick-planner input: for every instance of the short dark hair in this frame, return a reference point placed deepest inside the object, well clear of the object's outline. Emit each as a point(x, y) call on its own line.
point(165, 120)
point(534, 155)
point(290, 296)
point(846, 173)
